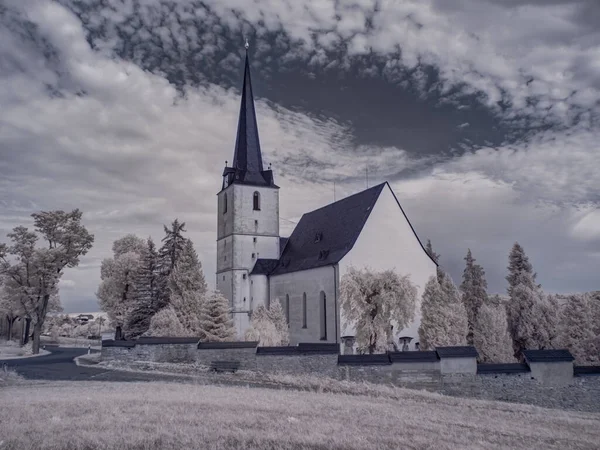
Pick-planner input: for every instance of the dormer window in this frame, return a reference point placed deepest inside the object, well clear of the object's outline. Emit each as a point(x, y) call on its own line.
point(318, 237)
point(256, 201)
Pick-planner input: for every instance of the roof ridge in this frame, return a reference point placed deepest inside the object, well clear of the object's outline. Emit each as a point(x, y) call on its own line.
point(380, 186)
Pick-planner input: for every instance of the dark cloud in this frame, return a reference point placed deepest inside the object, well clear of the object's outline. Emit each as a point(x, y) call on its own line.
point(127, 110)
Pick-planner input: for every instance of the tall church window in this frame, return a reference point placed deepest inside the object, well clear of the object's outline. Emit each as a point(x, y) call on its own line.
point(323, 308)
point(304, 321)
point(224, 203)
point(256, 201)
point(287, 309)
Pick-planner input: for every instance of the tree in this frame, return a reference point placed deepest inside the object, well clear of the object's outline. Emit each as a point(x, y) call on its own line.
point(444, 318)
point(171, 250)
point(490, 333)
point(374, 301)
point(474, 292)
point(520, 269)
point(118, 275)
point(187, 288)
point(276, 315)
point(595, 308)
point(35, 272)
point(577, 329)
point(436, 257)
point(268, 326)
point(531, 315)
point(10, 309)
point(146, 300)
point(166, 323)
point(215, 321)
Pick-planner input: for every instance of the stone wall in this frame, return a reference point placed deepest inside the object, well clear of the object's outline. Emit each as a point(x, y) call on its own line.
point(581, 394)
point(505, 382)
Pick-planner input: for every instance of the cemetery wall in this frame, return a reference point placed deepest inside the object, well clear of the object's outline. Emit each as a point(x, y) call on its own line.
point(581, 392)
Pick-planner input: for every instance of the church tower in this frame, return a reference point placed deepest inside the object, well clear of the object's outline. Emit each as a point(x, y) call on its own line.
point(248, 213)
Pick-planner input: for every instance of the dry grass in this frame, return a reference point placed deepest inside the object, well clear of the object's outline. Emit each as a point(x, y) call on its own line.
point(13, 350)
point(9, 377)
point(94, 415)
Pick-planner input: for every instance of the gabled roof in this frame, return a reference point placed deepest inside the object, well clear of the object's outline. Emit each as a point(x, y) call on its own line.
point(559, 355)
point(324, 236)
point(457, 352)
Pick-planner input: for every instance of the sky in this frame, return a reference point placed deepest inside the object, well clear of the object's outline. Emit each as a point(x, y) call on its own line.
point(483, 115)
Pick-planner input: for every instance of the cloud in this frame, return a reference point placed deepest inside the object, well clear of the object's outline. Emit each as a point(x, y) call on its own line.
point(125, 110)
point(496, 50)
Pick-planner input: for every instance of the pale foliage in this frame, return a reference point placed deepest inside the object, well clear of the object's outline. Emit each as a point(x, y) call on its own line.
point(444, 318)
point(532, 316)
point(188, 289)
point(166, 323)
point(374, 302)
point(490, 333)
point(474, 291)
point(216, 324)
point(577, 329)
point(268, 327)
point(32, 273)
point(118, 274)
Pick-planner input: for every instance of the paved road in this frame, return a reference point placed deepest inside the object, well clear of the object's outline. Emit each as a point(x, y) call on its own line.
point(60, 365)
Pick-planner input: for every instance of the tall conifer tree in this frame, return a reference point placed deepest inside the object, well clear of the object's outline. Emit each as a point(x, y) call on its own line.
point(146, 298)
point(474, 291)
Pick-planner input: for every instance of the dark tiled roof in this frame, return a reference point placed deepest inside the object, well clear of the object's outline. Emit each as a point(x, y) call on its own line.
point(112, 343)
point(167, 340)
point(364, 360)
point(502, 368)
point(318, 347)
point(282, 242)
point(226, 345)
point(457, 352)
point(264, 266)
point(277, 350)
point(324, 236)
point(548, 355)
point(586, 370)
point(400, 357)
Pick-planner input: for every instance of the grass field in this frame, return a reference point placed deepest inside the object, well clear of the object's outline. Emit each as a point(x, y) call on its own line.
point(95, 415)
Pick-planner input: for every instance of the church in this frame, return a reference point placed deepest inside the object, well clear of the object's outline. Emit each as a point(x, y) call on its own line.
point(257, 266)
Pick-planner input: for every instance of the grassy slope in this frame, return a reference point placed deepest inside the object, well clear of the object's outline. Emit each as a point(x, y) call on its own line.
point(94, 415)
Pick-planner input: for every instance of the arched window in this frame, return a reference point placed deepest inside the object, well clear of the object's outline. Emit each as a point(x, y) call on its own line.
point(256, 201)
point(304, 321)
point(287, 309)
point(323, 309)
point(224, 203)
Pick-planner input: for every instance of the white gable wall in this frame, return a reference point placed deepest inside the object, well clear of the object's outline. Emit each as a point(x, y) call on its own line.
point(388, 242)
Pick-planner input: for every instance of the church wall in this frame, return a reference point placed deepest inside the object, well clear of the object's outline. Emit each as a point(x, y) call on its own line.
point(262, 222)
point(311, 282)
point(259, 291)
point(388, 242)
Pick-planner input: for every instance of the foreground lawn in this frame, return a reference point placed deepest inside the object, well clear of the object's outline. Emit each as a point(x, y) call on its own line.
point(94, 415)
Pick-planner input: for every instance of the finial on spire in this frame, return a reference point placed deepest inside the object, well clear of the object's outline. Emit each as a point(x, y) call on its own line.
point(246, 45)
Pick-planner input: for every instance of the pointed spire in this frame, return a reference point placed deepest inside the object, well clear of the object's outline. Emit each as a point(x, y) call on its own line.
point(247, 154)
point(247, 165)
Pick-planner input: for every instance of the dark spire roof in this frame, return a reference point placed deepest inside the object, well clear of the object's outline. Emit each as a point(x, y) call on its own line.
point(247, 167)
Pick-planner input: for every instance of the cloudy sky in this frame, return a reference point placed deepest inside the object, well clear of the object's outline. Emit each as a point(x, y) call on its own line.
point(484, 116)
